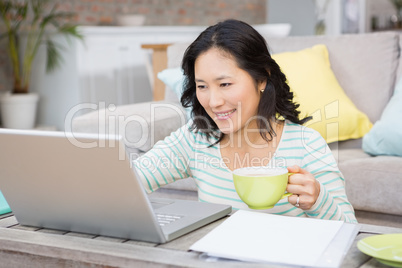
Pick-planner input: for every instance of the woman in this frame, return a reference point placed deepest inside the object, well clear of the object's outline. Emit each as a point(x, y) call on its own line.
point(244, 115)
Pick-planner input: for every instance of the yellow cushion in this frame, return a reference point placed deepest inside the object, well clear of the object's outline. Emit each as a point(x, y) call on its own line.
point(319, 94)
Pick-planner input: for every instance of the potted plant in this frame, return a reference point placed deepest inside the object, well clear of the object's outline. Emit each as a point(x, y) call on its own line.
point(28, 25)
point(396, 20)
point(320, 10)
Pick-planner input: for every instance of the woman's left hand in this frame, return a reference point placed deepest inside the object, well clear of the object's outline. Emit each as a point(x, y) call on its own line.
point(304, 188)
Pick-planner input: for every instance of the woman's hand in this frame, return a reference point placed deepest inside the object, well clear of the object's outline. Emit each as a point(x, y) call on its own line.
point(304, 188)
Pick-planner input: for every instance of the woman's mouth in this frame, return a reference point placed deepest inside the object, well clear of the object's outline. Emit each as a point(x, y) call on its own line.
point(225, 115)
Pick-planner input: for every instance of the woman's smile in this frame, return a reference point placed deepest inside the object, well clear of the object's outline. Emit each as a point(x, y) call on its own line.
point(225, 115)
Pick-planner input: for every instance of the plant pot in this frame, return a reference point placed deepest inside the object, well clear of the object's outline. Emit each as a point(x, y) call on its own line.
point(18, 110)
point(130, 20)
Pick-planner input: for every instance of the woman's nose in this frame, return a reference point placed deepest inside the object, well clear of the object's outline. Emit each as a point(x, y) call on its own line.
point(215, 98)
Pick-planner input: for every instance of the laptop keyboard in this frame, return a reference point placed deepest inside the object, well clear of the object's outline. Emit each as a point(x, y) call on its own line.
point(165, 219)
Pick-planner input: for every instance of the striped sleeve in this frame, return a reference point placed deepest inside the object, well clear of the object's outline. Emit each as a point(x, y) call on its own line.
point(167, 161)
point(332, 203)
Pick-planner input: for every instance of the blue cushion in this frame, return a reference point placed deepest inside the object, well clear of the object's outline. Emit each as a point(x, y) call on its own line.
point(385, 136)
point(4, 207)
point(174, 79)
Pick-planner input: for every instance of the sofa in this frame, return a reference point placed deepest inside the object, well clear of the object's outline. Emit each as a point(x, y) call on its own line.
point(367, 68)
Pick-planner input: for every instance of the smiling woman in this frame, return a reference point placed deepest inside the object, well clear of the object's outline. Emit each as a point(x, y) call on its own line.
point(235, 49)
point(244, 115)
point(226, 91)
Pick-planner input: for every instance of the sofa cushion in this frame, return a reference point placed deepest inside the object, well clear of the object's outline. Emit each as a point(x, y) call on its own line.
point(344, 155)
point(385, 137)
point(173, 78)
point(141, 124)
point(175, 54)
point(364, 64)
point(399, 70)
point(373, 184)
point(319, 94)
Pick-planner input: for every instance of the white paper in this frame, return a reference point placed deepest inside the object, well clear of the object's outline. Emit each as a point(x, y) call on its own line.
point(339, 246)
point(261, 237)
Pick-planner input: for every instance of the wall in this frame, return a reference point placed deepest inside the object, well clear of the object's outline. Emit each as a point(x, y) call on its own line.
point(168, 12)
point(300, 13)
point(158, 12)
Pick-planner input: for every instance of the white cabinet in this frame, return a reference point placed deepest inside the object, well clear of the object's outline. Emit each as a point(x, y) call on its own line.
point(107, 73)
point(109, 67)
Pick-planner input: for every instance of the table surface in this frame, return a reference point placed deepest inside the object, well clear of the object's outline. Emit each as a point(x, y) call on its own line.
point(25, 246)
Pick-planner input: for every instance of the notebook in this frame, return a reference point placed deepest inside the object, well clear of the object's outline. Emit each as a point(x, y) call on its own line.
point(4, 207)
point(86, 183)
point(278, 240)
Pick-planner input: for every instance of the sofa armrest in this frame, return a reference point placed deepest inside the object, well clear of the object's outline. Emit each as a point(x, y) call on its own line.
point(141, 124)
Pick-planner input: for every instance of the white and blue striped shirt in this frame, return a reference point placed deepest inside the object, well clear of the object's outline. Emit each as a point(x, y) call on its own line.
point(186, 154)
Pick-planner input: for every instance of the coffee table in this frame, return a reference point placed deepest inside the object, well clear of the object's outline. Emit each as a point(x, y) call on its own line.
point(22, 246)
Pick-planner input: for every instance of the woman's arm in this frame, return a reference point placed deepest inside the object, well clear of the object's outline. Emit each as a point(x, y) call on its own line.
point(167, 161)
point(319, 184)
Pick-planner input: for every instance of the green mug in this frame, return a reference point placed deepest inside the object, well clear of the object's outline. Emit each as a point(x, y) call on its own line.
point(261, 187)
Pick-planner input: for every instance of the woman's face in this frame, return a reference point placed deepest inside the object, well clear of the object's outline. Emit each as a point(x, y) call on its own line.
point(228, 94)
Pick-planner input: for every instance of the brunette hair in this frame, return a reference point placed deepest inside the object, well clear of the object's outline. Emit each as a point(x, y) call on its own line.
point(250, 51)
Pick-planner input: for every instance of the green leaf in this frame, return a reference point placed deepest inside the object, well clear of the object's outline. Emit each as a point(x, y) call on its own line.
point(397, 4)
point(37, 7)
point(55, 23)
point(5, 7)
point(53, 59)
point(70, 30)
point(23, 11)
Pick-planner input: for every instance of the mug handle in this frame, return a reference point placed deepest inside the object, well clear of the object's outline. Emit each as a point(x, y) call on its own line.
point(287, 194)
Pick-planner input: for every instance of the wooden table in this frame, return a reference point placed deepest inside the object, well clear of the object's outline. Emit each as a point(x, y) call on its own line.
point(22, 246)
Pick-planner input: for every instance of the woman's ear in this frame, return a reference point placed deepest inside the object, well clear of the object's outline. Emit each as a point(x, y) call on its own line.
point(261, 85)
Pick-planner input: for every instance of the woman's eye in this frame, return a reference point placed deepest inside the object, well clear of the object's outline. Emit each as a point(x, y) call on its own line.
point(201, 86)
point(225, 84)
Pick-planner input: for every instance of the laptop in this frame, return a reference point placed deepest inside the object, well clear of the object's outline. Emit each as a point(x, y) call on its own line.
point(85, 183)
